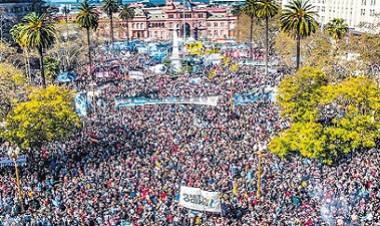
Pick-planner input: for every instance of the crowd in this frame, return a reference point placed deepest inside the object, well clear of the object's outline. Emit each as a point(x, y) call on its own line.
point(125, 167)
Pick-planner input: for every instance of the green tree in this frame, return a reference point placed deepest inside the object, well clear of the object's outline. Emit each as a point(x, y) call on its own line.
point(327, 121)
point(70, 52)
point(236, 11)
point(66, 12)
point(337, 29)
point(367, 47)
point(126, 14)
point(266, 9)
point(38, 5)
point(88, 18)
point(110, 7)
point(16, 36)
point(52, 68)
point(46, 116)
point(250, 9)
point(298, 19)
point(318, 51)
point(12, 84)
point(36, 31)
point(297, 94)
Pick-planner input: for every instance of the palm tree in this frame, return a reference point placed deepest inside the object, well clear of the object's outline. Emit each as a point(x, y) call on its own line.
point(126, 14)
point(266, 9)
point(110, 7)
point(16, 36)
point(36, 31)
point(88, 18)
point(236, 11)
point(337, 28)
point(37, 5)
point(66, 12)
point(249, 9)
point(298, 18)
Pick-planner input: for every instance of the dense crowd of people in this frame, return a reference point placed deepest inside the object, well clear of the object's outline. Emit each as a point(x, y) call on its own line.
point(125, 166)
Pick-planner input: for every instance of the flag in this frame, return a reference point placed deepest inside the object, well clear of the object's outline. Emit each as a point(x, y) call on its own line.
point(235, 188)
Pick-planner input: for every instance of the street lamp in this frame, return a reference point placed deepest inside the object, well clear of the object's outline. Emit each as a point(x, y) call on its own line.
point(260, 154)
point(2, 19)
point(93, 97)
point(14, 153)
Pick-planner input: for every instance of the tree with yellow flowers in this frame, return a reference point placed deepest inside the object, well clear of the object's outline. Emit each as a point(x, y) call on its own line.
point(46, 116)
point(327, 121)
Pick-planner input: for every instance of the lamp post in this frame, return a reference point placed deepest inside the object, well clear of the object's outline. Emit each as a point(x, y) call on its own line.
point(93, 98)
point(13, 153)
point(2, 18)
point(260, 154)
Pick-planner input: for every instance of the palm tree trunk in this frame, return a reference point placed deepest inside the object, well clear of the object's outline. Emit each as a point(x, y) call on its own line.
point(26, 63)
point(89, 52)
point(251, 37)
point(111, 28)
point(28, 66)
point(127, 31)
point(266, 45)
point(40, 51)
point(298, 51)
point(237, 28)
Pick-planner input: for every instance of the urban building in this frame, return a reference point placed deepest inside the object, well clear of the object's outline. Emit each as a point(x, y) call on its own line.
point(226, 2)
point(356, 13)
point(10, 11)
point(156, 23)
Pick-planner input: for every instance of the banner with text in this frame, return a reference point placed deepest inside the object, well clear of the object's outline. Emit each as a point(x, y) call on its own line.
point(249, 98)
point(197, 199)
point(140, 101)
point(5, 161)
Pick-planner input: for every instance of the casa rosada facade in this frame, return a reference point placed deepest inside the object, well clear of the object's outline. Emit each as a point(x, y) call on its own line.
point(157, 23)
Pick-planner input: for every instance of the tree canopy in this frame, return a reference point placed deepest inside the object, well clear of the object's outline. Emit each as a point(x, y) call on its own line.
point(327, 120)
point(337, 28)
point(298, 19)
point(12, 82)
point(46, 116)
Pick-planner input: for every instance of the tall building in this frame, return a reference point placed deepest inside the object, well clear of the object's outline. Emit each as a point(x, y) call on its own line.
point(355, 12)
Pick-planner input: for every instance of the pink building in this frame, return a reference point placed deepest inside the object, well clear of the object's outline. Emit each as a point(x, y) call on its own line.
point(200, 21)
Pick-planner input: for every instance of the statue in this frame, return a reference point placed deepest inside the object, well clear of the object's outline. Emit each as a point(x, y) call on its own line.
point(176, 64)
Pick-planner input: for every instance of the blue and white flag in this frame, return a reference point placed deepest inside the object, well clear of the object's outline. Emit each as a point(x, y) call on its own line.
point(81, 104)
point(249, 98)
point(141, 101)
point(5, 161)
point(68, 76)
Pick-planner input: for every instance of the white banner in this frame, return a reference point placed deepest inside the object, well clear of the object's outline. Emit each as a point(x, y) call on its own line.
point(197, 199)
point(141, 101)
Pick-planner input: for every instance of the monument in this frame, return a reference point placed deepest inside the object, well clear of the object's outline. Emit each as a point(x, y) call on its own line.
point(175, 59)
